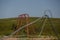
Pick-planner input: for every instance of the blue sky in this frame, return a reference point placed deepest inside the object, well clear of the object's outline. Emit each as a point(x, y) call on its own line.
point(13, 8)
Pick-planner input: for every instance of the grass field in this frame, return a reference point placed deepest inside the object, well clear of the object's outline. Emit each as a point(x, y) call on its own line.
point(6, 26)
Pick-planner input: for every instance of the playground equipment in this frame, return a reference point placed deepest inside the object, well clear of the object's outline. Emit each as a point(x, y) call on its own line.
point(21, 18)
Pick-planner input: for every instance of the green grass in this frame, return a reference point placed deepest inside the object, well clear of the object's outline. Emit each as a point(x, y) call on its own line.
point(6, 26)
